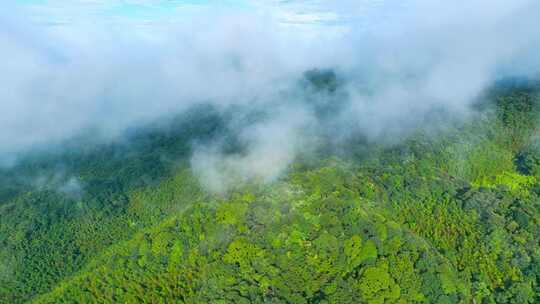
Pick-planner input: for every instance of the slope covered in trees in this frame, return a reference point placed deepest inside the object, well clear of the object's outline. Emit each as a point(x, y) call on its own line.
point(451, 216)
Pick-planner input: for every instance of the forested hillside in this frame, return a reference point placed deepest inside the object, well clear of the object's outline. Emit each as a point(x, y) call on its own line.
point(446, 215)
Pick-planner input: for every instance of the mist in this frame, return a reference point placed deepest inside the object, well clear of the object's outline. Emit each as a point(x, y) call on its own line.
point(396, 62)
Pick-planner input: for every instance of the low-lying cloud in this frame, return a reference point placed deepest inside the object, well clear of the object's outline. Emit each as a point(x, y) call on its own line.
point(411, 57)
point(270, 146)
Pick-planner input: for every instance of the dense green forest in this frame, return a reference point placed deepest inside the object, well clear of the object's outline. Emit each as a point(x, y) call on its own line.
point(446, 215)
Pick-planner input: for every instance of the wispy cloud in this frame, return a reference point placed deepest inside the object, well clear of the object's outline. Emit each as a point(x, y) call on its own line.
point(109, 65)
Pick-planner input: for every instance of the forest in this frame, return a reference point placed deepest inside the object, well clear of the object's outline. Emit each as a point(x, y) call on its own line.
point(443, 215)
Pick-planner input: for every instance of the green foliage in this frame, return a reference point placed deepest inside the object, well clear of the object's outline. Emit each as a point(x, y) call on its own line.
point(323, 80)
point(528, 161)
point(321, 245)
point(447, 218)
point(377, 286)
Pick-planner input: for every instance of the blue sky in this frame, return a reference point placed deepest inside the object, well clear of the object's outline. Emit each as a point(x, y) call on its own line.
point(136, 9)
point(155, 9)
point(301, 13)
point(313, 17)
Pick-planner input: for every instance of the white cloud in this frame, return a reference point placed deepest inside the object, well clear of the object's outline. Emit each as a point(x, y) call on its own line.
point(111, 72)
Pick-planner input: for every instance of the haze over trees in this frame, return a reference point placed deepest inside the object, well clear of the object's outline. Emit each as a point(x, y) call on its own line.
point(438, 218)
point(276, 152)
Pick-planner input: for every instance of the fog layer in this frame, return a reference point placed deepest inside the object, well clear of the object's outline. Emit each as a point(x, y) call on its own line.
point(396, 62)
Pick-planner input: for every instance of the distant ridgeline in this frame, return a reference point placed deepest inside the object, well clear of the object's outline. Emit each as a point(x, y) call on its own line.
point(446, 218)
